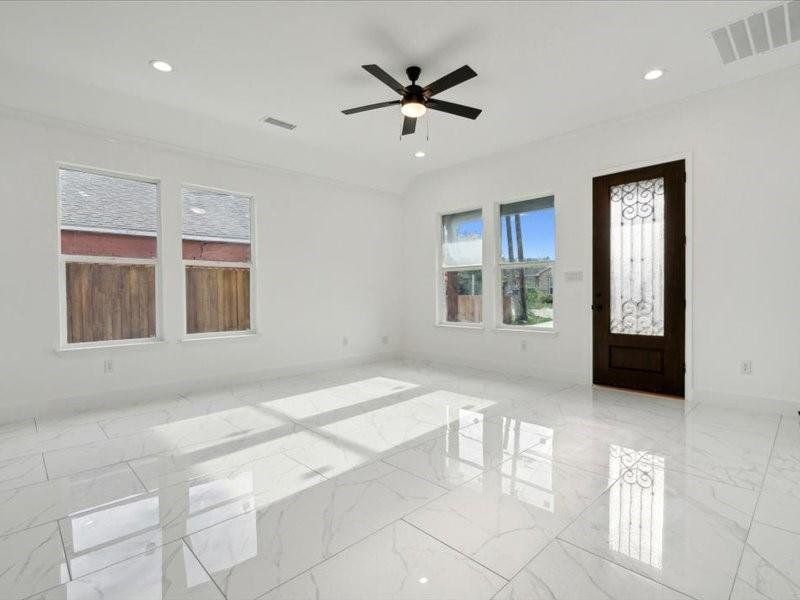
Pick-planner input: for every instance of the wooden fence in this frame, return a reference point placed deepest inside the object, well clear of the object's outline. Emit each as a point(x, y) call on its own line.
point(110, 302)
point(217, 299)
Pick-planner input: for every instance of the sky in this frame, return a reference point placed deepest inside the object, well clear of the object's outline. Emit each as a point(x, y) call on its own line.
point(538, 234)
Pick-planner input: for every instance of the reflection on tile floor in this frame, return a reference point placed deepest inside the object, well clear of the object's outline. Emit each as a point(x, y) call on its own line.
point(401, 480)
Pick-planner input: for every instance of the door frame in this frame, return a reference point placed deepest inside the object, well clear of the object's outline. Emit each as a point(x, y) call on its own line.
point(689, 258)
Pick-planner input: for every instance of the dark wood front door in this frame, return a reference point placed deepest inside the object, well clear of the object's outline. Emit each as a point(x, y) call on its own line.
point(639, 279)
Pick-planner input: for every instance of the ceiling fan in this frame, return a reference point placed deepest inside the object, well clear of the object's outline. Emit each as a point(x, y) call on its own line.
point(416, 99)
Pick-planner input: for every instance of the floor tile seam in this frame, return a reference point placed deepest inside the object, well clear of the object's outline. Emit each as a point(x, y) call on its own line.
point(145, 455)
point(60, 477)
point(426, 480)
point(360, 539)
point(48, 521)
point(704, 477)
point(605, 491)
point(8, 438)
point(5, 535)
point(119, 561)
point(715, 427)
point(139, 479)
point(64, 550)
point(216, 471)
point(103, 429)
point(755, 510)
point(269, 507)
point(305, 466)
point(144, 408)
point(760, 522)
point(563, 463)
point(505, 579)
point(714, 430)
point(316, 564)
point(250, 461)
point(44, 466)
point(624, 568)
point(205, 570)
point(600, 495)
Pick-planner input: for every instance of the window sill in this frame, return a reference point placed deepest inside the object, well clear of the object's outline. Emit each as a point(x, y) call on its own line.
point(69, 348)
point(475, 326)
point(236, 335)
point(526, 329)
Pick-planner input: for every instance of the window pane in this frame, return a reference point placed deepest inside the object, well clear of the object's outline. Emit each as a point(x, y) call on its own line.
point(463, 296)
point(216, 226)
point(462, 235)
point(637, 258)
point(527, 231)
point(110, 302)
point(103, 215)
point(528, 295)
point(217, 299)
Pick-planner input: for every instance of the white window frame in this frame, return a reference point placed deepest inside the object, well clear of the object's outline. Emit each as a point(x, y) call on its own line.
point(63, 259)
point(440, 321)
point(499, 265)
point(213, 335)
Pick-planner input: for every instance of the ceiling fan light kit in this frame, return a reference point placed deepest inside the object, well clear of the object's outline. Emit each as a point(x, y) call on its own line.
point(416, 100)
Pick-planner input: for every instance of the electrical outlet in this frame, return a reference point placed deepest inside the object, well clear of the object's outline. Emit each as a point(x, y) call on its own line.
point(746, 367)
point(345, 341)
point(108, 366)
point(385, 340)
point(523, 345)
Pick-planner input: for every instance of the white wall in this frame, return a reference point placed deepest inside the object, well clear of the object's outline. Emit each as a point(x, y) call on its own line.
point(743, 149)
point(328, 258)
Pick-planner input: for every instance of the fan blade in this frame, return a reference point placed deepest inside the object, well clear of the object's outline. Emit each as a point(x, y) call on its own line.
point(358, 109)
point(445, 83)
point(376, 71)
point(454, 109)
point(409, 125)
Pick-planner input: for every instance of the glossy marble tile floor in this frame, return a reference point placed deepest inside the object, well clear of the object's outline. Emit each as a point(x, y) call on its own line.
point(399, 480)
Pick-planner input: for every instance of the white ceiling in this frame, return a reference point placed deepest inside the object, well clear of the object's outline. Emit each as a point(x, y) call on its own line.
point(543, 68)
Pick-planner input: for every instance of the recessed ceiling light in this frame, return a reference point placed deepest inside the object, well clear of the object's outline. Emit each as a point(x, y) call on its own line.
point(653, 74)
point(161, 65)
point(419, 154)
point(197, 210)
point(423, 580)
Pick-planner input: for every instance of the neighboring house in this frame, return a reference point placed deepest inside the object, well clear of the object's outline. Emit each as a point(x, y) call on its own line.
point(107, 216)
point(540, 278)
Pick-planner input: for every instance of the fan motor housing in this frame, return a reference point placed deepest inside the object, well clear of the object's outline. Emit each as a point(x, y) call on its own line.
point(413, 93)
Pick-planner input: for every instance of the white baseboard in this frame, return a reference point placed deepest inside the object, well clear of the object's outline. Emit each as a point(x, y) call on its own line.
point(745, 402)
point(500, 367)
point(132, 396)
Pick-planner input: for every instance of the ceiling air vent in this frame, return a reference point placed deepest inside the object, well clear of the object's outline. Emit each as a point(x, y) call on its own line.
point(760, 32)
point(278, 123)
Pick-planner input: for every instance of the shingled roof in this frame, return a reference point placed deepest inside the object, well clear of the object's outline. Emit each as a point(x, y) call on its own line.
point(112, 204)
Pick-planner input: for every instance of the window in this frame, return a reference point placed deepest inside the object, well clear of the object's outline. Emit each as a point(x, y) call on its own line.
point(527, 262)
point(460, 276)
point(216, 250)
point(109, 227)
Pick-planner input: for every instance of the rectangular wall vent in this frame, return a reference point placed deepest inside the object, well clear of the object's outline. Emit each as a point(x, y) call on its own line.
point(278, 123)
point(760, 32)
